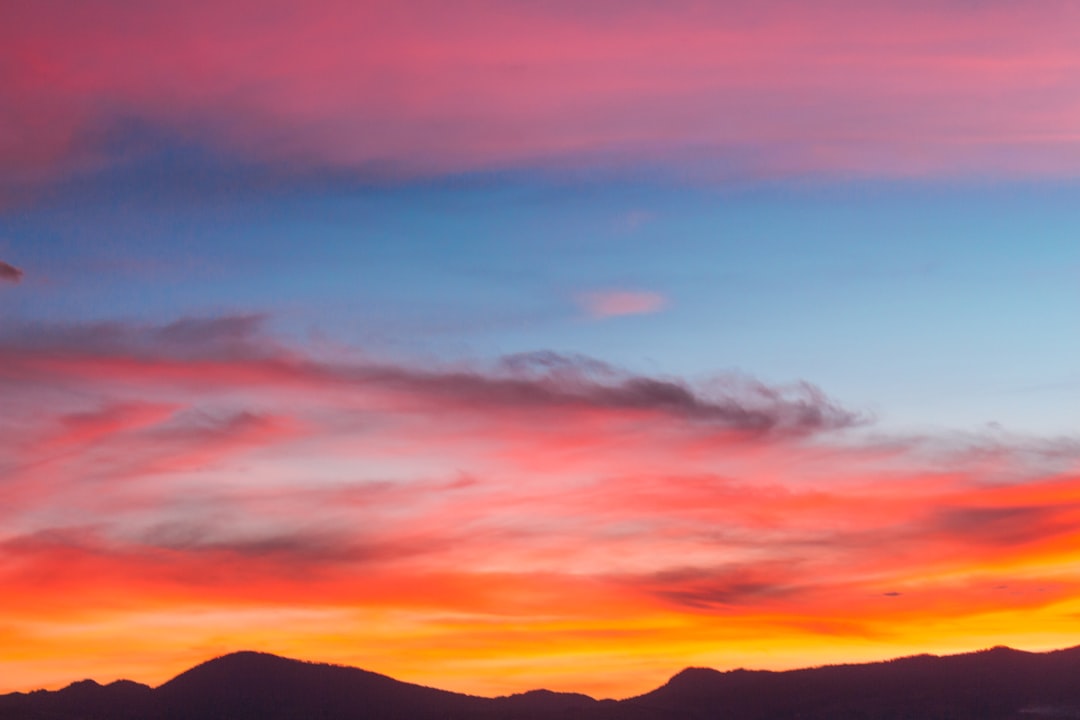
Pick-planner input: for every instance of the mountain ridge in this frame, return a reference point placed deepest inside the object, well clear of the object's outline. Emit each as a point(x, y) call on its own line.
point(997, 683)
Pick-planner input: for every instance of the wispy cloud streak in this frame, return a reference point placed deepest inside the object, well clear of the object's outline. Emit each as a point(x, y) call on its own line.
point(228, 353)
point(416, 88)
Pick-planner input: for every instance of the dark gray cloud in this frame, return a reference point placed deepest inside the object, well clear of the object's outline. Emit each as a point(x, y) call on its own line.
point(299, 545)
point(712, 588)
point(224, 337)
point(233, 334)
point(532, 382)
point(10, 273)
point(550, 380)
point(1005, 526)
point(296, 548)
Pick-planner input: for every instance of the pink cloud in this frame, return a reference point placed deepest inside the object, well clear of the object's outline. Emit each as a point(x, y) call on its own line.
point(613, 303)
point(880, 87)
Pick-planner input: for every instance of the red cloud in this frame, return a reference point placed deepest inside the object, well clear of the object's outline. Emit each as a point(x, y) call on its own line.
point(10, 273)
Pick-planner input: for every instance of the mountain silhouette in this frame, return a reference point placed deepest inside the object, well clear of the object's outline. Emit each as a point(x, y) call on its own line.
point(995, 684)
point(1000, 683)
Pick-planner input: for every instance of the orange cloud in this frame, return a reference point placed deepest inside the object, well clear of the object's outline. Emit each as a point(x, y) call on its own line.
point(492, 528)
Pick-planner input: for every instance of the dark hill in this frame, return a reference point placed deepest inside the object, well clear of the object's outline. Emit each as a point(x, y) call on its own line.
point(85, 700)
point(257, 686)
point(997, 684)
point(254, 685)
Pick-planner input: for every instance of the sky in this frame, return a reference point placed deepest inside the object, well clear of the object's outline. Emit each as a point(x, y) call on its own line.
point(496, 345)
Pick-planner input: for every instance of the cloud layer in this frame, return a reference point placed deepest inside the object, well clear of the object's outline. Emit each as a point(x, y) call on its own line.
point(202, 481)
point(394, 89)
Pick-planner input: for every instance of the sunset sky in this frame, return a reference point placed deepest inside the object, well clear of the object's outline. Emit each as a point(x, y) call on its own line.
point(496, 344)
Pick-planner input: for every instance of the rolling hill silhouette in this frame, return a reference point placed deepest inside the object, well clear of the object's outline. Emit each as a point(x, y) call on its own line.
point(996, 684)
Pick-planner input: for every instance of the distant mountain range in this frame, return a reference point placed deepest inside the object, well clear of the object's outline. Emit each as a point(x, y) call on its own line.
point(997, 684)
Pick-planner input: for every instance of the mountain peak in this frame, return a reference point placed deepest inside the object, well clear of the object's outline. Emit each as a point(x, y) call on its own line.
point(249, 657)
point(242, 664)
point(695, 674)
point(1003, 650)
point(548, 700)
